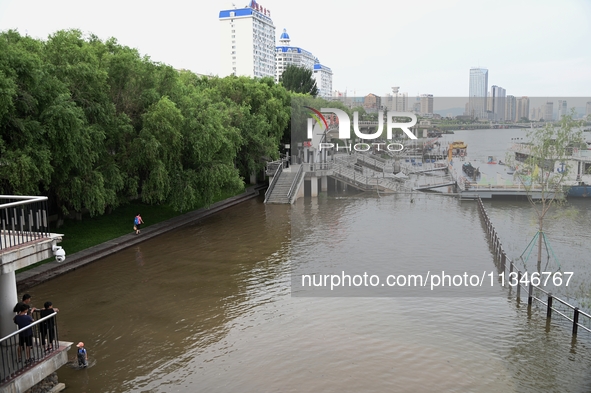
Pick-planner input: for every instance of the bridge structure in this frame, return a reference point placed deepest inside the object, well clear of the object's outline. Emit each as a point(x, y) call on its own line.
point(25, 239)
point(359, 171)
point(457, 126)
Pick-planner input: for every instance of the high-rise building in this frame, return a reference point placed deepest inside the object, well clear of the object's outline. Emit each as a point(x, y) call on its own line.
point(323, 78)
point(247, 41)
point(548, 111)
point(510, 108)
point(537, 114)
point(497, 103)
point(291, 55)
point(522, 109)
point(426, 104)
point(372, 103)
point(389, 102)
point(401, 102)
point(562, 109)
point(477, 95)
point(588, 109)
point(395, 101)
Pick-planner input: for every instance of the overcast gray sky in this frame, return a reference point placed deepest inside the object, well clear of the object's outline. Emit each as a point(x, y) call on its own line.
point(533, 47)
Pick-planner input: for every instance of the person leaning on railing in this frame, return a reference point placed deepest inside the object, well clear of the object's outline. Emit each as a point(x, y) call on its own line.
point(25, 338)
point(48, 327)
point(26, 300)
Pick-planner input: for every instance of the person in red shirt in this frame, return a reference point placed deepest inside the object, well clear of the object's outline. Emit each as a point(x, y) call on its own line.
point(137, 222)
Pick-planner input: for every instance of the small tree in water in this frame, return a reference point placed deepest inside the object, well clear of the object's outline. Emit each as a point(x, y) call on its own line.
point(543, 166)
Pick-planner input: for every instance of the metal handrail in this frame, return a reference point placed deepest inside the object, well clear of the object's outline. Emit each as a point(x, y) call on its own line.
point(319, 166)
point(295, 181)
point(37, 322)
point(23, 219)
point(273, 182)
point(501, 256)
point(12, 355)
point(28, 199)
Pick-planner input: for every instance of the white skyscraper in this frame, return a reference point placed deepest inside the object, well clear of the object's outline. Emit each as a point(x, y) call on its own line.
point(562, 109)
point(247, 41)
point(478, 89)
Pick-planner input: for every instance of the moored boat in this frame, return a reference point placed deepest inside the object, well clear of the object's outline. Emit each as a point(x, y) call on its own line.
point(458, 145)
point(458, 148)
point(470, 170)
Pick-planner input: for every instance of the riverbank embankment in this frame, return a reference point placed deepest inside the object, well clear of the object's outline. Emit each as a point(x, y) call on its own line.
point(47, 271)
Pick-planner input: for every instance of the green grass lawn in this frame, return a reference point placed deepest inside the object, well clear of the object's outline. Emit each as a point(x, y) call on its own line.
point(90, 231)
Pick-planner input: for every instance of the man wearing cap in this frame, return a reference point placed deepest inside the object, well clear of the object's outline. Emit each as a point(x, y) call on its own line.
point(82, 355)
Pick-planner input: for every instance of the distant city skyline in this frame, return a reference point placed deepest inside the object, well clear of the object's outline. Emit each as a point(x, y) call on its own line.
point(426, 49)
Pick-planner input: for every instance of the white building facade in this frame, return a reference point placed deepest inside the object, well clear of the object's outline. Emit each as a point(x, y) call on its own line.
point(426, 104)
point(562, 109)
point(291, 55)
point(496, 108)
point(477, 100)
point(287, 55)
point(323, 77)
point(247, 42)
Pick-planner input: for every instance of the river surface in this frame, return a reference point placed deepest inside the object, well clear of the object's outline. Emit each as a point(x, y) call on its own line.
point(213, 306)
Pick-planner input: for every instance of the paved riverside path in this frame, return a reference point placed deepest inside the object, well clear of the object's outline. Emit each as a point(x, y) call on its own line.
point(49, 270)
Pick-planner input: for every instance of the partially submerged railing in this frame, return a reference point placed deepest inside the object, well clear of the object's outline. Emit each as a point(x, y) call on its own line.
point(294, 184)
point(551, 304)
point(22, 219)
point(14, 356)
point(273, 181)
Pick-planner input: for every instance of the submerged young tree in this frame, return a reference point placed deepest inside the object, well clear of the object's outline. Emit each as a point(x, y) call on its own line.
point(544, 167)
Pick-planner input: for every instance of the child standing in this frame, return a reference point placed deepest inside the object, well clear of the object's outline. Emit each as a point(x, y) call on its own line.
point(82, 355)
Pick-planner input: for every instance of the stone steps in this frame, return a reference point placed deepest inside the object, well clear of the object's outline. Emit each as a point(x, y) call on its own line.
point(279, 193)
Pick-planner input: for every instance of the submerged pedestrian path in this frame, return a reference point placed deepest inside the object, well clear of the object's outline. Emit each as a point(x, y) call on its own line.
point(53, 269)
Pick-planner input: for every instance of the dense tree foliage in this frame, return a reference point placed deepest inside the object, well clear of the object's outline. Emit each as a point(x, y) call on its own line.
point(93, 124)
point(299, 80)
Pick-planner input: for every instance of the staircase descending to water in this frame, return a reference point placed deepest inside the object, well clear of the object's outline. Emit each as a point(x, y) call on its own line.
point(363, 173)
point(279, 194)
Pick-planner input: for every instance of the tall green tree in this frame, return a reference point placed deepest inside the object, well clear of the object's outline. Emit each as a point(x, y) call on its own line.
point(210, 147)
point(93, 124)
point(259, 108)
point(299, 80)
point(85, 174)
point(548, 149)
point(26, 90)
